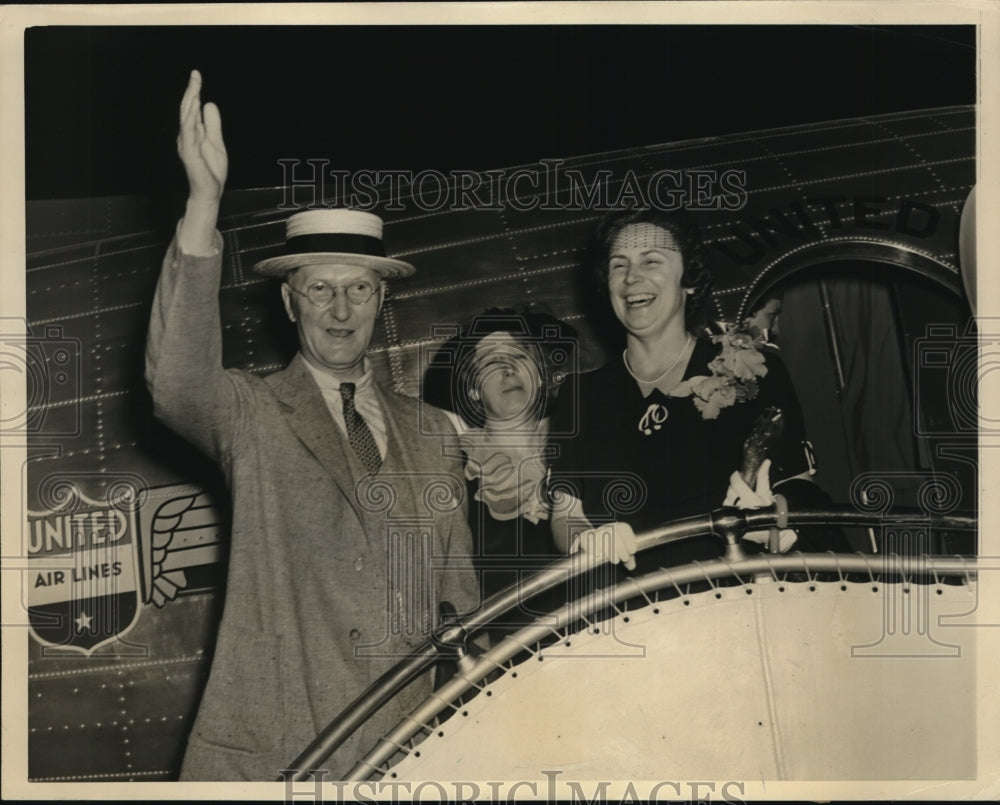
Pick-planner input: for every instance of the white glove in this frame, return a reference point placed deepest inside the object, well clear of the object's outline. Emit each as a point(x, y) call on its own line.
point(614, 542)
point(743, 497)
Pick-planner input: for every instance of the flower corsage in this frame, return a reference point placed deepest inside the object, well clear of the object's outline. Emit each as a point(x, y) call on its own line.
point(734, 372)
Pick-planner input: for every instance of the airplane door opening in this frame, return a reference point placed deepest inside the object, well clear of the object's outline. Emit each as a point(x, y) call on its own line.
point(876, 356)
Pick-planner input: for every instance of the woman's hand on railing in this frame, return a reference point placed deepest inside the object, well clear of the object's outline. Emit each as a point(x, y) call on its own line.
point(742, 496)
point(614, 542)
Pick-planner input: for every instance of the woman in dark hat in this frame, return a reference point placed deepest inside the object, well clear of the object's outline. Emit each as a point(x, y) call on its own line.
point(498, 379)
point(660, 429)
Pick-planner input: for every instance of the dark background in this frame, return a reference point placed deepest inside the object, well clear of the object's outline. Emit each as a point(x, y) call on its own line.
point(101, 102)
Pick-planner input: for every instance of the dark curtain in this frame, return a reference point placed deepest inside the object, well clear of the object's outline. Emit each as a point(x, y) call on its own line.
point(865, 424)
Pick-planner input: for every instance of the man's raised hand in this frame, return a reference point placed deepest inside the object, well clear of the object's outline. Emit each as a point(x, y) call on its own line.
point(200, 144)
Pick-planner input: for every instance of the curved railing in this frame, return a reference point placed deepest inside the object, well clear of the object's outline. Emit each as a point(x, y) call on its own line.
point(448, 644)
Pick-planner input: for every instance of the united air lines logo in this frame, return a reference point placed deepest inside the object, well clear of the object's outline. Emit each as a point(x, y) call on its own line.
point(93, 563)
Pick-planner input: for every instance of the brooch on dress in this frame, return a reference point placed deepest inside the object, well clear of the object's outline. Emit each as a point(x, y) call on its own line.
point(653, 419)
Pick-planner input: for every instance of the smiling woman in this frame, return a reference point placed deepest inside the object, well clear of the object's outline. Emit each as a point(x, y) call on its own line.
point(644, 279)
point(668, 441)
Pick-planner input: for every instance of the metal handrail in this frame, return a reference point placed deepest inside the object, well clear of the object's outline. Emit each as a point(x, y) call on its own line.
point(636, 587)
point(448, 640)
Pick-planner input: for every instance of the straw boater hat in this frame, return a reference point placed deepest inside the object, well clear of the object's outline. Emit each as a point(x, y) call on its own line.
point(349, 237)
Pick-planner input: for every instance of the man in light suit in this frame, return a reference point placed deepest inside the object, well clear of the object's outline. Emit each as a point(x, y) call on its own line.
point(340, 557)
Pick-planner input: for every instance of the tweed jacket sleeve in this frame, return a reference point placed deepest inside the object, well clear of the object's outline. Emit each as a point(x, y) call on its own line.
point(192, 393)
point(461, 585)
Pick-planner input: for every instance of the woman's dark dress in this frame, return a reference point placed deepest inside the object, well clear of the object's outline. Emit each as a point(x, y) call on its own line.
point(680, 469)
point(507, 551)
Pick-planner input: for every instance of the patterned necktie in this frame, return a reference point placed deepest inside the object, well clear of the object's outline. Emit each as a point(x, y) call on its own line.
point(358, 433)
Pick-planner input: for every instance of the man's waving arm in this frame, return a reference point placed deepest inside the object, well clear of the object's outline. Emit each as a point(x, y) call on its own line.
point(184, 373)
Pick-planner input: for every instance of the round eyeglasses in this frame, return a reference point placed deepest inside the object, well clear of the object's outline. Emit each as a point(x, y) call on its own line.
point(320, 294)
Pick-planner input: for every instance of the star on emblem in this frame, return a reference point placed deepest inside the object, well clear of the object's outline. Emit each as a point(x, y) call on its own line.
point(83, 622)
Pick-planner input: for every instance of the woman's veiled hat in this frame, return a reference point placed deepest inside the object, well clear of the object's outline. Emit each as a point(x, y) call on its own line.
point(446, 378)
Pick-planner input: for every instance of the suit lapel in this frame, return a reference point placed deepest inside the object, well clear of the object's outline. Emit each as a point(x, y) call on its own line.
point(305, 411)
point(397, 453)
point(409, 449)
point(403, 431)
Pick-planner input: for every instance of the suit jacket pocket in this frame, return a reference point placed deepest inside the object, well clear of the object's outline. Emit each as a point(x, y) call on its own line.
point(241, 710)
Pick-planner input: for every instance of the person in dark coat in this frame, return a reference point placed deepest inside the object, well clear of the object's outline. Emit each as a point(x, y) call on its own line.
point(498, 380)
